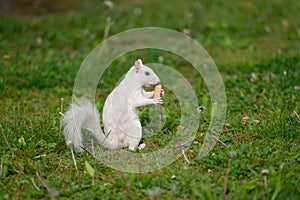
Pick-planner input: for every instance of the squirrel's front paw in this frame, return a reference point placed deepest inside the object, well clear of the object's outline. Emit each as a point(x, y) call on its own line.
point(132, 148)
point(158, 101)
point(142, 146)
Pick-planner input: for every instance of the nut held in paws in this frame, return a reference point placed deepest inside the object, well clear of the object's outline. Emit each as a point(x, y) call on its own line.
point(157, 91)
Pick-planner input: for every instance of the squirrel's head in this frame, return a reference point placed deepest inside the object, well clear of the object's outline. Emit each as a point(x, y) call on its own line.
point(144, 75)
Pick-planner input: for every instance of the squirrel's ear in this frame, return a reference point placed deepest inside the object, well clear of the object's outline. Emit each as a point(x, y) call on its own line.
point(138, 63)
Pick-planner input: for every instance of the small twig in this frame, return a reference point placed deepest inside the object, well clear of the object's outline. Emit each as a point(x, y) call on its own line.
point(43, 155)
point(52, 191)
point(186, 159)
point(216, 138)
point(184, 143)
point(42, 182)
point(251, 170)
point(74, 160)
point(34, 185)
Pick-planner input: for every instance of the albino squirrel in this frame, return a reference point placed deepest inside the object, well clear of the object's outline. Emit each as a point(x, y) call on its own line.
point(122, 127)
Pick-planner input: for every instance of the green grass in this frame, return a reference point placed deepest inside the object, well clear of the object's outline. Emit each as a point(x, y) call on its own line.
point(255, 45)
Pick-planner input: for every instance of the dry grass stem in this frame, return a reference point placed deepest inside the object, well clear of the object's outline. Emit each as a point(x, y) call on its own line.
point(186, 159)
point(42, 182)
point(43, 155)
point(216, 138)
point(52, 191)
point(74, 160)
point(252, 170)
point(34, 185)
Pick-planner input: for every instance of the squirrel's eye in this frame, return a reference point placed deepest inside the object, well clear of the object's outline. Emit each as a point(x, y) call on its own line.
point(147, 73)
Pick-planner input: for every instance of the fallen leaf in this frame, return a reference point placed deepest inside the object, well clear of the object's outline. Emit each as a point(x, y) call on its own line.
point(245, 120)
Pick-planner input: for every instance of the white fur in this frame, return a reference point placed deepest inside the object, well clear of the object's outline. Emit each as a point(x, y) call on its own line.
point(122, 127)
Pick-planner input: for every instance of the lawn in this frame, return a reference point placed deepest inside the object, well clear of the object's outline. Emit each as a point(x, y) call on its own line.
point(255, 45)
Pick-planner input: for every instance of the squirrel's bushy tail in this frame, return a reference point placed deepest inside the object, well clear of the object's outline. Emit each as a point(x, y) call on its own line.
point(84, 116)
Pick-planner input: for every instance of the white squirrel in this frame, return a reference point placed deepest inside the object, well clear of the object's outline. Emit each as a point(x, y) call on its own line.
point(122, 127)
